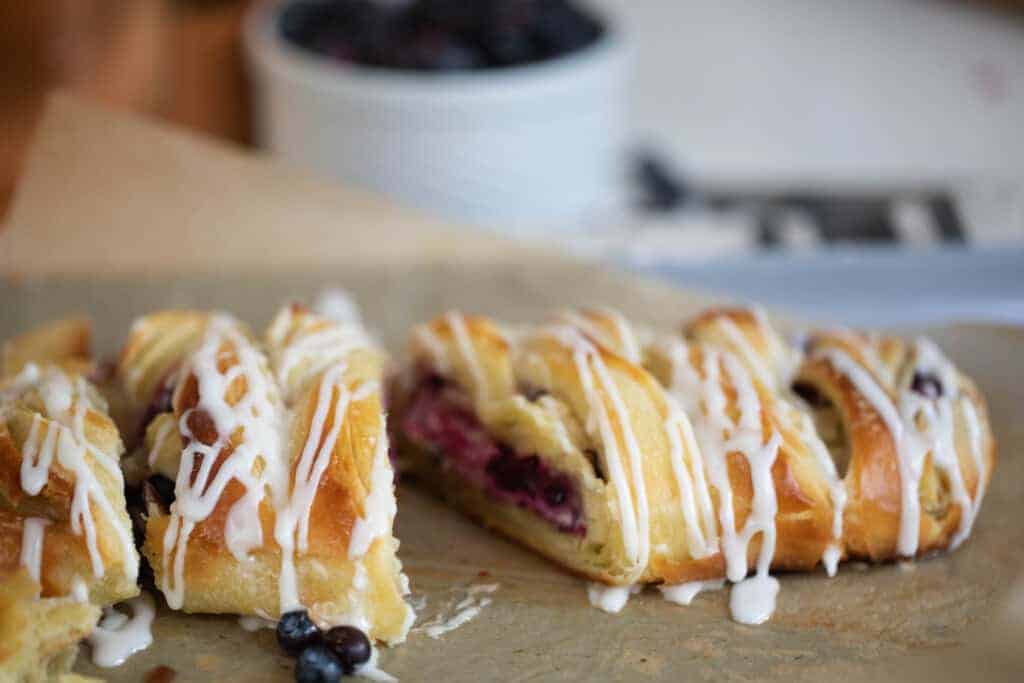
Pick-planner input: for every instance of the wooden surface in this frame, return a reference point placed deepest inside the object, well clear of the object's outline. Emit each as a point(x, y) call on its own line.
point(180, 61)
point(111, 193)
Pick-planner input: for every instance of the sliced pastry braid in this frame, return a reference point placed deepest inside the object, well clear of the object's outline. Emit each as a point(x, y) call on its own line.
point(632, 458)
point(912, 434)
point(62, 507)
point(556, 441)
point(283, 491)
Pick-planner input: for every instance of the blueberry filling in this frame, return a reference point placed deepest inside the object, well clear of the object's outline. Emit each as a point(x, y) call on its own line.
point(810, 394)
point(438, 420)
point(927, 384)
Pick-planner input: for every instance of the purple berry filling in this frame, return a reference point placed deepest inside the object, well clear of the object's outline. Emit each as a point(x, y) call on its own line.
point(438, 420)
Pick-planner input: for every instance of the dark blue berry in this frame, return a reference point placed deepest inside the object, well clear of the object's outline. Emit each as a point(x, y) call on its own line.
point(296, 631)
point(350, 646)
point(927, 384)
point(317, 664)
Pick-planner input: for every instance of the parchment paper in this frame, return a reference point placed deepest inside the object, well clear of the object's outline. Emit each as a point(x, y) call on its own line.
point(944, 618)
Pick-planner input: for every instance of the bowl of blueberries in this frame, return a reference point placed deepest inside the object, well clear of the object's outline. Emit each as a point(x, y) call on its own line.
point(502, 113)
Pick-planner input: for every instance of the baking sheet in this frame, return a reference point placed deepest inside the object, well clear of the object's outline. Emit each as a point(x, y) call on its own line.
point(117, 217)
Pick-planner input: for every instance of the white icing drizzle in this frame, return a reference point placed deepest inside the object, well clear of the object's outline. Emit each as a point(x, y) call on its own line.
point(338, 305)
point(598, 383)
point(163, 432)
point(169, 338)
point(919, 426)
point(752, 600)
point(610, 599)
point(434, 347)
point(256, 428)
point(457, 325)
point(291, 527)
point(253, 623)
point(66, 402)
point(701, 534)
point(684, 593)
point(320, 348)
point(837, 491)
point(742, 348)
point(973, 423)
point(459, 612)
point(380, 506)
point(117, 637)
point(718, 436)
point(628, 346)
point(32, 533)
point(257, 421)
point(371, 671)
point(79, 591)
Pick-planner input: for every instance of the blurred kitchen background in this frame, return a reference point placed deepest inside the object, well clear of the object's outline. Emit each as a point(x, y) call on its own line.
point(860, 162)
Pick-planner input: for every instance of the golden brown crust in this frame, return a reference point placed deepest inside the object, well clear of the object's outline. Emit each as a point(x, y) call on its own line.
point(50, 413)
point(38, 637)
point(474, 352)
point(66, 343)
point(314, 366)
point(500, 373)
point(873, 479)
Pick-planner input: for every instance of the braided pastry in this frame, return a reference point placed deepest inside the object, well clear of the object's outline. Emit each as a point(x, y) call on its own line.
point(283, 494)
point(680, 461)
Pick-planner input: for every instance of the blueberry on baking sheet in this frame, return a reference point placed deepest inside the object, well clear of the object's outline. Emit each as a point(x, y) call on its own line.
point(296, 631)
point(317, 664)
point(349, 645)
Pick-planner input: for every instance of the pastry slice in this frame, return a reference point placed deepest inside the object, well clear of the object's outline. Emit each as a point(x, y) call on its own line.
point(779, 499)
point(557, 441)
point(62, 506)
point(282, 487)
point(912, 437)
point(66, 546)
point(39, 636)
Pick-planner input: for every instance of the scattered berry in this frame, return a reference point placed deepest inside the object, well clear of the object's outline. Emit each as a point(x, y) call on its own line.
point(350, 646)
point(317, 664)
point(296, 632)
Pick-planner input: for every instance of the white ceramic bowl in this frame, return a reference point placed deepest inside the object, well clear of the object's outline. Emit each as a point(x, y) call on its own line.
point(534, 145)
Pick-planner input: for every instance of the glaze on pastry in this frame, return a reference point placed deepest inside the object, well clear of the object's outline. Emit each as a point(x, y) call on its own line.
point(914, 434)
point(39, 636)
point(66, 545)
point(283, 495)
point(62, 507)
point(681, 461)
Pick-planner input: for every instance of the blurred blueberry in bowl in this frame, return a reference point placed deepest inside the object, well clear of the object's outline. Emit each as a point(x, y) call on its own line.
point(506, 113)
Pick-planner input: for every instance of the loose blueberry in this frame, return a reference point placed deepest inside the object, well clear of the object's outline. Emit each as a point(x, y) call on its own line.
point(296, 632)
point(927, 384)
point(349, 645)
point(317, 664)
